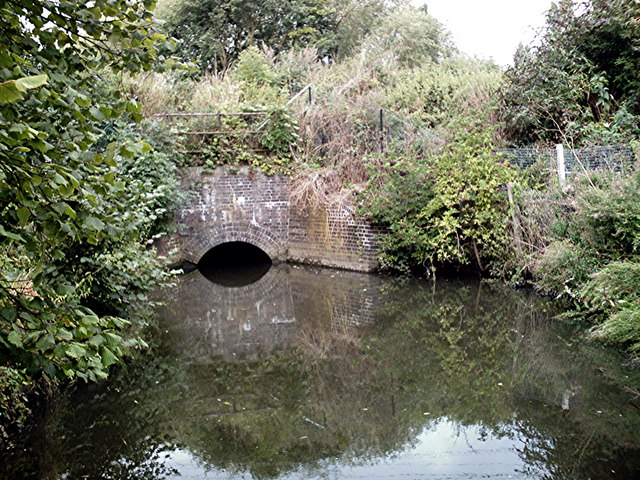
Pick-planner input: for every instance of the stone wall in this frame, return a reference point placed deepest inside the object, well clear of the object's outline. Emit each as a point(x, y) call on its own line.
point(242, 205)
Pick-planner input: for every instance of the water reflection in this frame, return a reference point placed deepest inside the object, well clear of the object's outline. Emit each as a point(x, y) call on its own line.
point(311, 373)
point(289, 306)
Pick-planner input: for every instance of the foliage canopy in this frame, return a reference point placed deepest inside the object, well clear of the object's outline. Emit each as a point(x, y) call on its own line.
point(70, 218)
point(214, 33)
point(581, 82)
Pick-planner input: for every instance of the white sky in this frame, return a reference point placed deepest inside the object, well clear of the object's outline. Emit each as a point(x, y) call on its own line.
point(489, 28)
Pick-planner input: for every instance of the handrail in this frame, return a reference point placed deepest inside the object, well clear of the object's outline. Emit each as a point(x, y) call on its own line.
point(219, 115)
point(209, 114)
point(291, 100)
point(299, 94)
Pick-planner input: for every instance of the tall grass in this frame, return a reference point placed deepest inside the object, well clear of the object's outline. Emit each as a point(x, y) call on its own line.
point(341, 137)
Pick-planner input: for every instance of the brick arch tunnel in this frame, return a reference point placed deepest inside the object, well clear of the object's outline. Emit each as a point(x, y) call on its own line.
point(246, 206)
point(235, 254)
point(208, 240)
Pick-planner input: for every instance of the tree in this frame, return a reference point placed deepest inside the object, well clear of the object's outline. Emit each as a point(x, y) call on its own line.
point(213, 33)
point(61, 195)
point(355, 19)
point(409, 36)
point(580, 83)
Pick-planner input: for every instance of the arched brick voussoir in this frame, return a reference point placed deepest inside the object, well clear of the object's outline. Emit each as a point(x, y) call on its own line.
point(205, 240)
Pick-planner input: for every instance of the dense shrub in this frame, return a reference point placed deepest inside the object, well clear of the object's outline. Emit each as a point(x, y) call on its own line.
point(14, 408)
point(86, 308)
point(613, 294)
point(563, 269)
point(452, 209)
point(592, 260)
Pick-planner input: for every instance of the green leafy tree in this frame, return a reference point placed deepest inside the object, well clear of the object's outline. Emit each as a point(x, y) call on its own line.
point(580, 83)
point(409, 36)
point(214, 33)
point(355, 20)
point(62, 195)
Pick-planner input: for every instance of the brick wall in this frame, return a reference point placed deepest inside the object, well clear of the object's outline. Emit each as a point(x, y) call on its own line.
point(229, 205)
point(240, 204)
point(332, 237)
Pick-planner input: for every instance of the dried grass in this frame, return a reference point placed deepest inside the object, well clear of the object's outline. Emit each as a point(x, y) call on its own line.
point(215, 94)
point(320, 343)
point(533, 217)
point(316, 189)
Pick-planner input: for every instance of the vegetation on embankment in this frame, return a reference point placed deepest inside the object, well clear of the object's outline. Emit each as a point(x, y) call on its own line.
point(407, 130)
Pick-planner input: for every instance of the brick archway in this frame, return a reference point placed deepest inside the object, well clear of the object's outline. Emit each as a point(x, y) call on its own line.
point(244, 205)
point(205, 240)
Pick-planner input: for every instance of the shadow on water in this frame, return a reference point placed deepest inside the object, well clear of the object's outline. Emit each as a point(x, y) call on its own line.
point(310, 373)
point(234, 264)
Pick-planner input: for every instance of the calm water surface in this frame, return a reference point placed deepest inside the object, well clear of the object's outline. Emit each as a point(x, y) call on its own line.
point(311, 373)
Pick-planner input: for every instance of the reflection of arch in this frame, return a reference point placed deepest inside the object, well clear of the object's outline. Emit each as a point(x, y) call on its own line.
point(240, 323)
point(205, 240)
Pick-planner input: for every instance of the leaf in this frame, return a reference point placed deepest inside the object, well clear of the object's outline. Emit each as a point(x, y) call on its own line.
point(8, 313)
point(97, 114)
point(15, 339)
point(75, 350)
point(64, 334)
point(65, 290)
point(45, 342)
point(12, 91)
point(9, 93)
point(28, 83)
point(93, 223)
point(23, 215)
point(12, 236)
point(108, 358)
point(97, 340)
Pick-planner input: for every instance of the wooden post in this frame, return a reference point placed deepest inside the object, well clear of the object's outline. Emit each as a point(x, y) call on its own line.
point(381, 132)
point(514, 218)
point(562, 173)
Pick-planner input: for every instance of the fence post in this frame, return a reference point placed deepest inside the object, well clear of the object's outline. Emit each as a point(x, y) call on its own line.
point(514, 218)
point(562, 173)
point(381, 131)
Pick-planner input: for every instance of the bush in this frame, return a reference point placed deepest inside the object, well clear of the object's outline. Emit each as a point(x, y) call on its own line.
point(454, 208)
point(621, 328)
point(593, 259)
point(85, 309)
point(613, 294)
point(563, 269)
point(607, 219)
point(14, 408)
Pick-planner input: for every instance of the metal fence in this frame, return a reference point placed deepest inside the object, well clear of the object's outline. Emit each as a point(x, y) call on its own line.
point(568, 161)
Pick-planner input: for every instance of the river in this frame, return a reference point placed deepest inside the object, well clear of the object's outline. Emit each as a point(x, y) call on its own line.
point(311, 373)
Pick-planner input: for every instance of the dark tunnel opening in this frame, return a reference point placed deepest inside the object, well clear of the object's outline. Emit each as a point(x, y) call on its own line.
point(234, 264)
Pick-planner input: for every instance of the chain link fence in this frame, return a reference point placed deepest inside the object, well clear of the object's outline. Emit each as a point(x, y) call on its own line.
point(617, 158)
